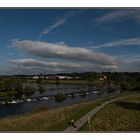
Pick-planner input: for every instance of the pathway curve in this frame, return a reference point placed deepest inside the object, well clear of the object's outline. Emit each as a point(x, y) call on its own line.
point(79, 123)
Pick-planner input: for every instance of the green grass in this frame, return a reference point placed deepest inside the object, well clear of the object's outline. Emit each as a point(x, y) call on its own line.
point(122, 115)
point(51, 120)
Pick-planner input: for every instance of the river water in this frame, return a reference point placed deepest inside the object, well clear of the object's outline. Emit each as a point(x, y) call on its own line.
point(52, 89)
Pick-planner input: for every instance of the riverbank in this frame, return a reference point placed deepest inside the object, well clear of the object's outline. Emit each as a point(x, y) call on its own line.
point(121, 115)
point(86, 118)
point(55, 119)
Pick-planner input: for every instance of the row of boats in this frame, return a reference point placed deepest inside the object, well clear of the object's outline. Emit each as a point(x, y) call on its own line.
point(45, 98)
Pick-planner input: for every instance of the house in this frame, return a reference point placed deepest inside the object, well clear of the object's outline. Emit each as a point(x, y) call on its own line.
point(52, 77)
point(64, 77)
point(35, 77)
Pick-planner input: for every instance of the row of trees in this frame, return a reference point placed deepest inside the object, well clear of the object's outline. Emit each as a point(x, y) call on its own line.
point(126, 80)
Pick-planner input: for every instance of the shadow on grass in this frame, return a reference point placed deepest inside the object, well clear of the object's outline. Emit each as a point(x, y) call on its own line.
point(129, 105)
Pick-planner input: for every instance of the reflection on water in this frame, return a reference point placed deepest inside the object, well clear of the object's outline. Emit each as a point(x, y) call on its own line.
point(52, 89)
point(75, 94)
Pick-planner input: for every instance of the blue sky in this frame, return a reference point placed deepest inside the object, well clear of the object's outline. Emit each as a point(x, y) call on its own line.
point(69, 40)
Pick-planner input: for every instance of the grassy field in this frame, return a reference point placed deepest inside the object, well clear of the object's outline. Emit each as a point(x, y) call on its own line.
point(56, 119)
point(122, 115)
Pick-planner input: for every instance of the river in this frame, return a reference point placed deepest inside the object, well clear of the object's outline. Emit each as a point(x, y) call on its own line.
point(90, 93)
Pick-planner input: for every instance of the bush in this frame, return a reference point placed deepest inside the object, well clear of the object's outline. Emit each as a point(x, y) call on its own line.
point(126, 86)
point(60, 97)
point(136, 87)
point(111, 88)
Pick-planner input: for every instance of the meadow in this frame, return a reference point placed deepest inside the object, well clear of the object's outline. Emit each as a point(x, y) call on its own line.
point(122, 115)
point(46, 120)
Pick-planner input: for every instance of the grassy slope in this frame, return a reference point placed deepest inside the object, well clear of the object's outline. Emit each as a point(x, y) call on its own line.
point(122, 115)
point(50, 120)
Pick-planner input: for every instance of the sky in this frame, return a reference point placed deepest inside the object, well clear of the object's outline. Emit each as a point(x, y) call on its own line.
point(34, 41)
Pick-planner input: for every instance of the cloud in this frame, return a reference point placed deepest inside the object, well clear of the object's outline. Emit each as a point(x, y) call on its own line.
point(133, 60)
point(136, 63)
point(122, 42)
point(33, 65)
point(128, 63)
point(59, 22)
point(54, 50)
point(119, 15)
point(53, 26)
point(38, 63)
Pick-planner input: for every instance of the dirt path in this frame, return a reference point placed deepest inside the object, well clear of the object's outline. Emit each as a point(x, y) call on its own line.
point(79, 123)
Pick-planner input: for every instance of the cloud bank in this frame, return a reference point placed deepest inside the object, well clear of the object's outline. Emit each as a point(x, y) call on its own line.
point(54, 50)
point(26, 65)
point(33, 63)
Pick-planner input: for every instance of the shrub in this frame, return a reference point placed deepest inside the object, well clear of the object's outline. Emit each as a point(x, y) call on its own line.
point(60, 97)
point(111, 88)
point(136, 87)
point(126, 86)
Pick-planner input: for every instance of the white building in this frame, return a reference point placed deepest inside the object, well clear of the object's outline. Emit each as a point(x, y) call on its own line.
point(64, 77)
point(36, 77)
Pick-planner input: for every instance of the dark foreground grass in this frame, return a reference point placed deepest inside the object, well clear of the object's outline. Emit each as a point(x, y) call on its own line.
point(53, 120)
point(122, 115)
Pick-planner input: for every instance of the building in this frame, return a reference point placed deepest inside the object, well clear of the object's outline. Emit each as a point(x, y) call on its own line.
point(35, 77)
point(64, 77)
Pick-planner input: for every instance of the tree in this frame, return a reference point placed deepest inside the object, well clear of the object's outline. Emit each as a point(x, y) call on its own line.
point(126, 86)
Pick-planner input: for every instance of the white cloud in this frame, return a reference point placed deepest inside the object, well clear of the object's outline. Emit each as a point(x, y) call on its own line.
point(59, 22)
point(122, 42)
point(26, 65)
point(53, 26)
point(52, 50)
point(128, 63)
point(32, 66)
point(38, 63)
point(119, 15)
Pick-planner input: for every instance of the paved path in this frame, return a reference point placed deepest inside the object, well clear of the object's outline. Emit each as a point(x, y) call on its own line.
point(79, 123)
